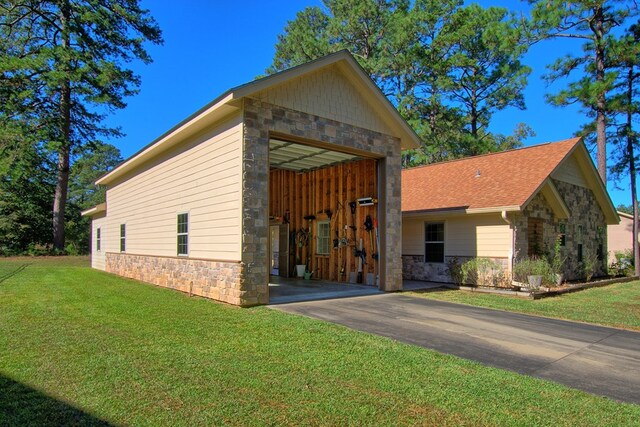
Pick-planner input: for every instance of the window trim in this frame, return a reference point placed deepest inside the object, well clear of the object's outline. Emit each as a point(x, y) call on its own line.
point(443, 241)
point(98, 239)
point(327, 237)
point(178, 234)
point(123, 237)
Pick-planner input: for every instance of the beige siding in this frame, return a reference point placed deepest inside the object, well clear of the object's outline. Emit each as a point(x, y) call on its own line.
point(201, 177)
point(619, 236)
point(97, 256)
point(570, 172)
point(465, 236)
point(326, 93)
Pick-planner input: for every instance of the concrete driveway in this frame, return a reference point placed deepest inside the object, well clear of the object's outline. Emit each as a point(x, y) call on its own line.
point(600, 360)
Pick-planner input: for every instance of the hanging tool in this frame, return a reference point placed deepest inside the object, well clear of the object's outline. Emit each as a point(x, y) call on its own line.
point(368, 226)
point(353, 205)
point(375, 255)
point(358, 254)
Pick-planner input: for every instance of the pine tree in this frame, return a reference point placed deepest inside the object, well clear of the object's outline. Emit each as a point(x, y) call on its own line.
point(64, 68)
point(592, 22)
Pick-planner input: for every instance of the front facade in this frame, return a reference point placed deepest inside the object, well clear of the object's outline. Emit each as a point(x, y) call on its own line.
point(193, 210)
point(510, 206)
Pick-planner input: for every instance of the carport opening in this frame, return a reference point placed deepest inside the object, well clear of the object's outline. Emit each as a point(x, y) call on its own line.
point(323, 215)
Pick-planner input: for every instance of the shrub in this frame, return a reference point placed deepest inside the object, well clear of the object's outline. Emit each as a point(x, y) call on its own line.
point(455, 270)
point(482, 272)
point(589, 264)
point(533, 267)
point(623, 265)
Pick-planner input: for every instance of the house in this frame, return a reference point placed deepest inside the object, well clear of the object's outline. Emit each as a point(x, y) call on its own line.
point(268, 175)
point(505, 206)
point(620, 236)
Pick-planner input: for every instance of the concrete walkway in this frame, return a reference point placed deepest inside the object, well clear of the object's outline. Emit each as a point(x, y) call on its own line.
point(600, 360)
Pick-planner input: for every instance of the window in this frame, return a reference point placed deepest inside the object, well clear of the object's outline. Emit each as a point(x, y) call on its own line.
point(183, 234)
point(123, 236)
point(535, 237)
point(579, 241)
point(98, 239)
point(323, 236)
point(563, 234)
point(434, 242)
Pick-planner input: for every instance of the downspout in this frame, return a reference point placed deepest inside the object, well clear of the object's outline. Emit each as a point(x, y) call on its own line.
point(504, 216)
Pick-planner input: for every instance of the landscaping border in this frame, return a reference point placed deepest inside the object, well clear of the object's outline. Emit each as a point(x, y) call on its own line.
point(542, 294)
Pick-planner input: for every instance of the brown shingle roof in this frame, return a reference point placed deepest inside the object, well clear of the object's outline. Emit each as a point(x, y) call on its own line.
point(494, 180)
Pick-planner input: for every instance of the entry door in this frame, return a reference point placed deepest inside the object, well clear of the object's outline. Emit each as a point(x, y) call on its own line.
point(279, 250)
point(283, 250)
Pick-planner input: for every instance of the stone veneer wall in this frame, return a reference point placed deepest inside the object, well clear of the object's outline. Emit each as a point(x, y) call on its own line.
point(219, 280)
point(260, 120)
point(414, 268)
point(584, 210)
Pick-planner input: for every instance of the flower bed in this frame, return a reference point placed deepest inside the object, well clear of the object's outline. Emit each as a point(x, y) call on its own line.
point(519, 289)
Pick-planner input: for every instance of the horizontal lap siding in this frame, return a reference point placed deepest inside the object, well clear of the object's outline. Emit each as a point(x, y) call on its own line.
point(201, 177)
point(465, 236)
point(570, 172)
point(327, 93)
point(98, 256)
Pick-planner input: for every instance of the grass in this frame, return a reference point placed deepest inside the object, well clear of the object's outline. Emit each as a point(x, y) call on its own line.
point(82, 347)
point(616, 305)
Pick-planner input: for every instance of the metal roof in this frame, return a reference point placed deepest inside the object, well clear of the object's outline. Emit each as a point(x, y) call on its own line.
point(300, 158)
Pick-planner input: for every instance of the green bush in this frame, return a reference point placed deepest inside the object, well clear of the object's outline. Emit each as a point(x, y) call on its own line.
point(624, 264)
point(482, 272)
point(533, 267)
point(455, 270)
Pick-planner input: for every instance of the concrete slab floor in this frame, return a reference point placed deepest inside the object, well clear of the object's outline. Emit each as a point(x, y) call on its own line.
point(596, 359)
point(289, 290)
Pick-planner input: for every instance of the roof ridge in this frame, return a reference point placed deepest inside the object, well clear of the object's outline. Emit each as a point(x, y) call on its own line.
point(577, 138)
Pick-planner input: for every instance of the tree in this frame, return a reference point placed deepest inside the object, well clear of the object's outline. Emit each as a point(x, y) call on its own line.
point(83, 193)
point(486, 71)
point(592, 22)
point(410, 50)
point(625, 104)
point(63, 64)
point(26, 189)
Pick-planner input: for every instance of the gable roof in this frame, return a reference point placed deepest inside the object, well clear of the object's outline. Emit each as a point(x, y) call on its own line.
point(505, 181)
point(229, 102)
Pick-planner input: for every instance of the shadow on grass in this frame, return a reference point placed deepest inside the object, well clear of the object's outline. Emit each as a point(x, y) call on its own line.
point(13, 273)
point(21, 405)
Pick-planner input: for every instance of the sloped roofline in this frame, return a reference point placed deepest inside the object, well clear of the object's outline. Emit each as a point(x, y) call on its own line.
point(229, 102)
point(586, 165)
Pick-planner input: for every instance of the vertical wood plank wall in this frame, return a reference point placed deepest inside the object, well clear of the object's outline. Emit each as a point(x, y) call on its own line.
point(311, 193)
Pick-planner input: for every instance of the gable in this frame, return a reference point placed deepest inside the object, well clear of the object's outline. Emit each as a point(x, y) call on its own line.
point(327, 93)
point(570, 172)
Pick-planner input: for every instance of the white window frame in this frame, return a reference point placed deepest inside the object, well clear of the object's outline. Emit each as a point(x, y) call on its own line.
point(123, 238)
point(98, 239)
point(180, 234)
point(443, 241)
point(323, 241)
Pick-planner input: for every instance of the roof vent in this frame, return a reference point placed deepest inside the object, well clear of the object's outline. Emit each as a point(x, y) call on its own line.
point(478, 173)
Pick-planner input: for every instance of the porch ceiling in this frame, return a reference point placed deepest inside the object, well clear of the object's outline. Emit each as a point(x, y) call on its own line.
point(300, 158)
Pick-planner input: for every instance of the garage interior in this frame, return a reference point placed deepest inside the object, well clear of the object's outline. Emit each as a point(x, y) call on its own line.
point(323, 215)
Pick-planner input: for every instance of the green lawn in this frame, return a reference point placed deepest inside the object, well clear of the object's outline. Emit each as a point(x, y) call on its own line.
point(82, 347)
point(615, 305)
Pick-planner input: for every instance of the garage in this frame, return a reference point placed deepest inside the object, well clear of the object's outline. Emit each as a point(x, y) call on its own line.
point(323, 216)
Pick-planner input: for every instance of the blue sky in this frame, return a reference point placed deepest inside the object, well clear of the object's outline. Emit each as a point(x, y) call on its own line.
point(211, 46)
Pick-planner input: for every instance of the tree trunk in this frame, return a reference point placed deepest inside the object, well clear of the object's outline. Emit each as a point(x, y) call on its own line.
point(601, 107)
point(632, 171)
point(62, 172)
